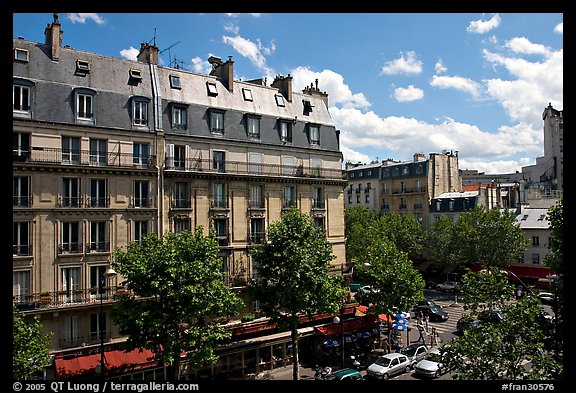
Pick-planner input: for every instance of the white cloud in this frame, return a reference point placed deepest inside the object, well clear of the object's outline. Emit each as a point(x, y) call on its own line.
point(457, 83)
point(82, 18)
point(410, 93)
point(332, 83)
point(559, 28)
point(130, 54)
point(523, 45)
point(353, 155)
point(233, 15)
point(232, 28)
point(201, 66)
point(403, 65)
point(439, 67)
point(251, 51)
point(481, 26)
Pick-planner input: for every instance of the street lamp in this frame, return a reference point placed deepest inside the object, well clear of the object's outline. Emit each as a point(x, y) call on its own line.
point(101, 368)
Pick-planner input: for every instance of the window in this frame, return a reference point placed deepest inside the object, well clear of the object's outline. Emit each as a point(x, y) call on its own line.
point(253, 126)
point(256, 196)
point(369, 173)
point(318, 198)
point(175, 82)
point(21, 55)
point(221, 229)
point(21, 238)
point(403, 204)
point(140, 113)
point(140, 153)
point(314, 134)
point(385, 204)
point(316, 167)
point(307, 106)
point(70, 192)
point(97, 327)
point(419, 187)
point(405, 171)
point(535, 241)
point(212, 90)
point(70, 237)
point(280, 100)
point(20, 146)
point(217, 122)
point(247, 94)
point(288, 165)
point(82, 66)
point(289, 196)
point(181, 224)
point(70, 283)
point(255, 163)
point(70, 332)
point(178, 156)
point(20, 285)
point(99, 236)
point(402, 187)
point(179, 117)
point(21, 98)
point(438, 205)
point(285, 131)
point(181, 197)
point(70, 150)
point(84, 108)
point(256, 230)
point(219, 161)
point(319, 222)
point(98, 151)
point(98, 193)
point(141, 189)
point(451, 205)
point(219, 199)
point(135, 75)
point(140, 230)
point(535, 259)
point(21, 196)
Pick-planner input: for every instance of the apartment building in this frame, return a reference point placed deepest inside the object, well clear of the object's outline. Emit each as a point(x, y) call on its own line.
point(403, 187)
point(107, 150)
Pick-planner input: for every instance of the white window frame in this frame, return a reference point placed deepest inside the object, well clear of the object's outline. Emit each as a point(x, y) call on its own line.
point(280, 100)
point(216, 120)
point(139, 113)
point(18, 55)
point(253, 126)
point(84, 106)
point(179, 115)
point(21, 101)
point(314, 131)
point(139, 156)
point(212, 89)
point(247, 94)
point(175, 82)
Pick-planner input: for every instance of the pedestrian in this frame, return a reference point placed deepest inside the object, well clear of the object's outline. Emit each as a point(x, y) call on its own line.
point(386, 344)
point(434, 338)
point(426, 319)
point(421, 334)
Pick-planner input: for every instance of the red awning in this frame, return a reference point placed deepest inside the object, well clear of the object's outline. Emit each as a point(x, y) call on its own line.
point(366, 310)
point(335, 329)
point(527, 271)
point(115, 360)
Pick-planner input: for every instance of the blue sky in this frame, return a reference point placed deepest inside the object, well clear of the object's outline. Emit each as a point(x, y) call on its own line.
point(398, 83)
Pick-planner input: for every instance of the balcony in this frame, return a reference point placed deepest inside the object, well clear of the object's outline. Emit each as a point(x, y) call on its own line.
point(98, 201)
point(59, 299)
point(257, 237)
point(99, 247)
point(22, 250)
point(21, 201)
point(142, 202)
point(70, 248)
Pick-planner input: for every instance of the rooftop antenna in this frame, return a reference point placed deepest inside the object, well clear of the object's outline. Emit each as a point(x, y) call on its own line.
point(169, 53)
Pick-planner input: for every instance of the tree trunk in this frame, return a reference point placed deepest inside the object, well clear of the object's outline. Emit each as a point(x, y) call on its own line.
point(296, 362)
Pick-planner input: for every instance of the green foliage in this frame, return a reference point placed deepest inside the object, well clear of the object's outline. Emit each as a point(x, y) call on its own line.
point(513, 349)
point(491, 237)
point(30, 352)
point(178, 297)
point(555, 260)
point(389, 270)
point(356, 220)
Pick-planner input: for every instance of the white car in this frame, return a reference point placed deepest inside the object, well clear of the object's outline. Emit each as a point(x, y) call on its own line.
point(451, 286)
point(388, 366)
point(432, 365)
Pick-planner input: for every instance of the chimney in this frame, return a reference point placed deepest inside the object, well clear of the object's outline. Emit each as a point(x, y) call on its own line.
point(53, 37)
point(148, 53)
point(223, 71)
point(284, 85)
point(315, 91)
point(419, 157)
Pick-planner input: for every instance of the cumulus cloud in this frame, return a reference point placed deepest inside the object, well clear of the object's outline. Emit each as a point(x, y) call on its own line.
point(339, 93)
point(484, 26)
point(559, 28)
point(82, 18)
point(406, 94)
point(406, 64)
point(233, 15)
point(201, 66)
point(458, 83)
point(130, 54)
point(523, 45)
point(252, 51)
point(232, 28)
point(439, 67)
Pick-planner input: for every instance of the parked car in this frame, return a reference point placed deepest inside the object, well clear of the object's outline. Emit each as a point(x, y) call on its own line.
point(492, 316)
point(546, 298)
point(465, 323)
point(388, 366)
point(435, 313)
point(487, 316)
point(415, 352)
point(448, 286)
point(427, 302)
point(345, 374)
point(432, 365)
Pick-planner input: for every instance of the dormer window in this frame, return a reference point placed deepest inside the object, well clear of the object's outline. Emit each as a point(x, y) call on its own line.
point(247, 93)
point(280, 100)
point(21, 55)
point(212, 91)
point(135, 75)
point(175, 82)
point(307, 106)
point(314, 134)
point(83, 66)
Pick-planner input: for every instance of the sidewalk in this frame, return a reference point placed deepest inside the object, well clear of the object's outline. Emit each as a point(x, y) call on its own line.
point(285, 374)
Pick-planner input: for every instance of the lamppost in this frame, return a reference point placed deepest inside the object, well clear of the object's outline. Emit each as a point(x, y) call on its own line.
point(101, 368)
point(340, 320)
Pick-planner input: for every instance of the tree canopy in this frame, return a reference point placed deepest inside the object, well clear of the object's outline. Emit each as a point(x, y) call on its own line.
point(30, 352)
point(178, 298)
point(293, 274)
point(555, 260)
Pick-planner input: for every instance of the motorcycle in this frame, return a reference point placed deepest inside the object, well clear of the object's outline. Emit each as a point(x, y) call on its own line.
point(322, 372)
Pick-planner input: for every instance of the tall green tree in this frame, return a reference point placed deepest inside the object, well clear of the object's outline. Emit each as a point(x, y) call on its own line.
point(356, 220)
point(30, 352)
point(555, 260)
point(178, 298)
point(293, 274)
point(513, 349)
point(401, 229)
